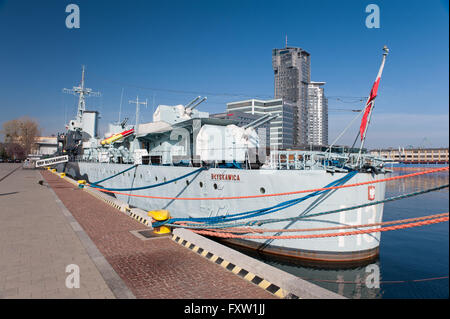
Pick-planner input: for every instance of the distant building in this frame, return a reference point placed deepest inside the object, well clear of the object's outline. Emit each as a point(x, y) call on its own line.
point(45, 145)
point(317, 114)
point(292, 73)
point(292, 83)
point(281, 133)
point(414, 155)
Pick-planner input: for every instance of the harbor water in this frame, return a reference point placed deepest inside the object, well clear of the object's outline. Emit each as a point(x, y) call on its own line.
point(412, 261)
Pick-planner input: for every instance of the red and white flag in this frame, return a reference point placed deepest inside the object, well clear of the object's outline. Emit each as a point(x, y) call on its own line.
point(368, 109)
point(371, 100)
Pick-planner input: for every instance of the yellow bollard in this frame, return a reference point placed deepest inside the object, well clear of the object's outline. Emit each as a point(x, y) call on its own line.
point(81, 183)
point(63, 175)
point(160, 215)
point(53, 170)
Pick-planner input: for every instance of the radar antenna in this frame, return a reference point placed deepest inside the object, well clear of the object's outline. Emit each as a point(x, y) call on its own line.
point(82, 92)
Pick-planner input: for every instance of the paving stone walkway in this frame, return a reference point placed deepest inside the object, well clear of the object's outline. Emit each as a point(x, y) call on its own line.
point(38, 242)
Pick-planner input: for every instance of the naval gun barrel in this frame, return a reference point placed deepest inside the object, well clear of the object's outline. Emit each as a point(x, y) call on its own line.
point(192, 102)
point(256, 121)
point(197, 104)
point(261, 121)
point(265, 121)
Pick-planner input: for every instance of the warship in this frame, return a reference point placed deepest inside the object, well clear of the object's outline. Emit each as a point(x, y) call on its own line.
point(211, 170)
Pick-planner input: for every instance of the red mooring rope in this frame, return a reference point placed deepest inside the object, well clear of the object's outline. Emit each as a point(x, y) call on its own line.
point(268, 230)
point(350, 233)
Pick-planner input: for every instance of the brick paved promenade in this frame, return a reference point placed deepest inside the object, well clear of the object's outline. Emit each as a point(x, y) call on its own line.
point(156, 268)
point(37, 243)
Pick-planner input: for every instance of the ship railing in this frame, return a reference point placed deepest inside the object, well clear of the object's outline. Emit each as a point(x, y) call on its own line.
point(315, 160)
point(278, 159)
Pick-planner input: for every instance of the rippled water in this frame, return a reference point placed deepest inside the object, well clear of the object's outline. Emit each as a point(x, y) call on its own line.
point(405, 255)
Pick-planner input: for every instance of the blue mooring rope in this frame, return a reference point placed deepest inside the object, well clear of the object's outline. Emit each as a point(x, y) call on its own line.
point(149, 186)
point(105, 179)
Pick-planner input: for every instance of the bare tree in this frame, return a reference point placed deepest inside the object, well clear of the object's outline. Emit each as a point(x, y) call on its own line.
point(29, 131)
point(21, 132)
point(11, 131)
point(3, 153)
point(15, 151)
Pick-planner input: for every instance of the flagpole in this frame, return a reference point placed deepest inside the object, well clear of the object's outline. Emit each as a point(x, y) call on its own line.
point(371, 102)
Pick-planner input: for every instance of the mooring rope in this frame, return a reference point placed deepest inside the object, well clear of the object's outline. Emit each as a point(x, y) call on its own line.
point(277, 220)
point(149, 186)
point(350, 233)
point(268, 230)
point(105, 179)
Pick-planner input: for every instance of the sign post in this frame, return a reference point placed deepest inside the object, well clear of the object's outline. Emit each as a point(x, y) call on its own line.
point(52, 161)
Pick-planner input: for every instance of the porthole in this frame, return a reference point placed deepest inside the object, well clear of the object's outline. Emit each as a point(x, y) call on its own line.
point(262, 190)
point(156, 178)
point(187, 182)
point(215, 186)
point(201, 184)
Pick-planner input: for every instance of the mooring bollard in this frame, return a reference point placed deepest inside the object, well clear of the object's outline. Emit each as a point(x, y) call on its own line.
point(160, 215)
point(81, 183)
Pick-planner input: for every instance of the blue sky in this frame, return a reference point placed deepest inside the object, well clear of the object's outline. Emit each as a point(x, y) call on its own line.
point(173, 51)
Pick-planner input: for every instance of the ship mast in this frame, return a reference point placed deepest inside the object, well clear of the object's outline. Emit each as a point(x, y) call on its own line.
point(370, 104)
point(82, 93)
point(137, 102)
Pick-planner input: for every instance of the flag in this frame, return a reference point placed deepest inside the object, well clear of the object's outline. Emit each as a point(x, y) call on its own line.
point(369, 106)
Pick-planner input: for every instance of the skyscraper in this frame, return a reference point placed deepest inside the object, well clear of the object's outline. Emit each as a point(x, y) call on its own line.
point(317, 114)
point(292, 78)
